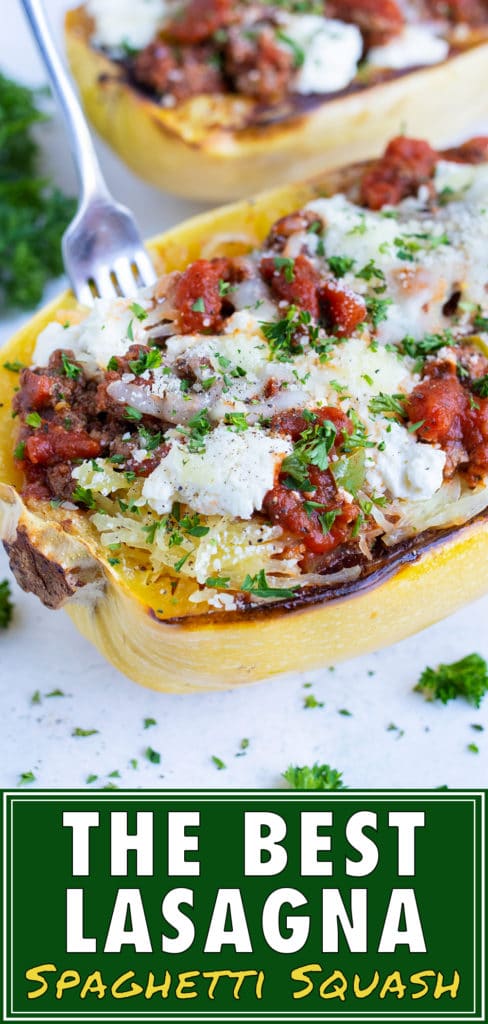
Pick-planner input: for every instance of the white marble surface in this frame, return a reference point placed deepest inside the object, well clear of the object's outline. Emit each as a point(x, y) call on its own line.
point(42, 651)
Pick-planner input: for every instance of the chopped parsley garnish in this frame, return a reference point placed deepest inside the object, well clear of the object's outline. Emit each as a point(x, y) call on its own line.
point(480, 386)
point(138, 311)
point(480, 322)
point(287, 265)
point(149, 440)
point(217, 581)
point(298, 51)
point(152, 755)
point(377, 308)
point(84, 496)
point(422, 347)
point(259, 587)
point(473, 748)
point(130, 331)
point(33, 420)
point(148, 722)
point(130, 413)
point(84, 732)
point(218, 762)
point(225, 287)
point(198, 428)
point(370, 272)
point(467, 678)
point(6, 606)
point(26, 777)
point(14, 366)
point(70, 369)
point(319, 776)
point(19, 451)
point(236, 421)
point(360, 228)
point(358, 438)
point(311, 702)
point(146, 361)
point(312, 449)
point(281, 335)
point(340, 265)
point(387, 405)
point(199, 305)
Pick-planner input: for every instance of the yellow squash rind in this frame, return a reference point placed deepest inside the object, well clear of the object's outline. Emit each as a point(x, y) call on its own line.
point(171, 648)
point(203, 149)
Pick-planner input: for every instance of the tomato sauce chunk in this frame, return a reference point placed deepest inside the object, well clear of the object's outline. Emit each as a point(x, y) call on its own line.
point(406, 165)
point(440, 405)
point(379, 20)
point(199, 20)
point(295, 281)
point(36, 391)
point(343, 308)
point(473, 151)
point(289, 510)
point(60, 445)
point(197, 296)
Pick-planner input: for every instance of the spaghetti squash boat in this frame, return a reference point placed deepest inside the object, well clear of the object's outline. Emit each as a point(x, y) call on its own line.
point(214, 99)
point(277, 456)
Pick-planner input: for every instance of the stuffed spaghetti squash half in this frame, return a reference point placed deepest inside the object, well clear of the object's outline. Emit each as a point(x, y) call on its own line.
point(277, 456)
point(214, 99)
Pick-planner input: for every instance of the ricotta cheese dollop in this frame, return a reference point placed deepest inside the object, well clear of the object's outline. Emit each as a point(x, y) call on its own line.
point(130, 22)
point(231, 476)
point(330, 51)
point(416, 46)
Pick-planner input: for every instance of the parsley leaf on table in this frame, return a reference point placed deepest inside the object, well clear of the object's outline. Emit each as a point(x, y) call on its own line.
point(467, 678)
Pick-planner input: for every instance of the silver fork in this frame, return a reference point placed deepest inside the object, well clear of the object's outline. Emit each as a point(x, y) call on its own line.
point(103, 252)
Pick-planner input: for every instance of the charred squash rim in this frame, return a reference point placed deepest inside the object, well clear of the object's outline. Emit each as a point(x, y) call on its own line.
point(416, 584)
point(213, 148)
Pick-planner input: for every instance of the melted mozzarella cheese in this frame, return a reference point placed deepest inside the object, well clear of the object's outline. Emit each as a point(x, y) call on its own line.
point(131, 22)
point(447, 254)
point(406, 468)
point(417, 45)
point(231, 476)
point(330, 49)
point(102, 334)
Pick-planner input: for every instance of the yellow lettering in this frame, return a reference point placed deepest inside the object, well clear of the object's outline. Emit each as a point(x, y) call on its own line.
point(418, 979)
point(184, 982)
point(259, 985)
point(339, 991)
point(395, 985)
point(68, 979)
point(151, 988)
point(239, 976)
point(134, 990)
point(214, 975)
point(35, 974)
point(93, 983)
point(362, 993)
point(440, 988)
point(300, 974)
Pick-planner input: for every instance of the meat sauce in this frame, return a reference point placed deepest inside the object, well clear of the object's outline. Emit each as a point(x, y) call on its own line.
point(214, 46)
point(66, 418)
point(302, 512)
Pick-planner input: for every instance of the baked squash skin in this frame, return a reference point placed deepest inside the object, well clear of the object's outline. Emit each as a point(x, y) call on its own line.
point(203, 149)
point(55, 554)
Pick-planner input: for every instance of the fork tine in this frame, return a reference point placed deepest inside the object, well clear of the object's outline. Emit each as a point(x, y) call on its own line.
point(145, 267)
point(104, 283)
point(84, 294)
point(124, 273)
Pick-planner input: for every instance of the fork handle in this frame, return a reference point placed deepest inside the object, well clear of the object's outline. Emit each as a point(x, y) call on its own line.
point(91, 180)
